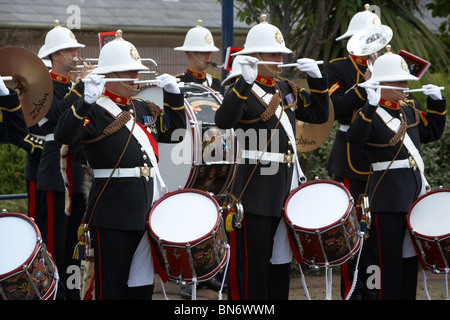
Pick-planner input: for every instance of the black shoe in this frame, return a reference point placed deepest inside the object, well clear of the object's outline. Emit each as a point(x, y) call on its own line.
point(186, 291)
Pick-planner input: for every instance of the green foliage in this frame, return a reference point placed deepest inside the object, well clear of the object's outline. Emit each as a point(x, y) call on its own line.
point(12, 161)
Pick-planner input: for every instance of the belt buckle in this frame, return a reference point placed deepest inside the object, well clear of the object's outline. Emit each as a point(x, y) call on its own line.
point(412, 163)
point(145, 172)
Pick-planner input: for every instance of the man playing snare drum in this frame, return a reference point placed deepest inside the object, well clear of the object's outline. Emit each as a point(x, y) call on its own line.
point(120, 135)
point(261, 104)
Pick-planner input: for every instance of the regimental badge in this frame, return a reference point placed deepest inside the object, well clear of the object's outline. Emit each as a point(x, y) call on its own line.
point(134, 53)
point(279, 37)
point(208, 38)
point(72, 36)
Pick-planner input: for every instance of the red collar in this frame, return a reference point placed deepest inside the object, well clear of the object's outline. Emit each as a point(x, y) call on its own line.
point(120, 100)
point(266, 81)
point(359, 60)
point(197, 75)
point(59, 78)
point(389, 104)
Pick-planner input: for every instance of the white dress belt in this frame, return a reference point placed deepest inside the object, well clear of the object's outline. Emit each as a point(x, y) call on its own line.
point(396, 164)
point(268, 156)
point(136, 172)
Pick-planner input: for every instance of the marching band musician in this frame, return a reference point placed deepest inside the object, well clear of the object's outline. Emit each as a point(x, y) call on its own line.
point(13, 127)
point(391, 130)
point(120, 135)
point(59, 226)
point(253, 104)
point(348, 163)
point(199, 46)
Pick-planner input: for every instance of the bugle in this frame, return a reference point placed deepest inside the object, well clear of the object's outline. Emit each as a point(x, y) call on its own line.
point(288, 65)
point(363, 85)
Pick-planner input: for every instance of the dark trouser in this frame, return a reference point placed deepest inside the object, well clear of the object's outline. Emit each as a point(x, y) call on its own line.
point(113, 250)
point(252, 276)
point(398, 274)
point(59, 233)
point(367, 258)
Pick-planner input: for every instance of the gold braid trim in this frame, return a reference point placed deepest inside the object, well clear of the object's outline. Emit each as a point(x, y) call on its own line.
point(398, 136)
point(113, 127)
point(273, 104)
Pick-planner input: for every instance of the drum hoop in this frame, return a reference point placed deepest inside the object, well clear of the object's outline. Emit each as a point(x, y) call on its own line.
point(183, 244)
point(324, 228)
point(408, 217)
point(38, 245)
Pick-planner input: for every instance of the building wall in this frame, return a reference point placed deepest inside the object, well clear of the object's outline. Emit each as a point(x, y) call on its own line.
point(157, 46)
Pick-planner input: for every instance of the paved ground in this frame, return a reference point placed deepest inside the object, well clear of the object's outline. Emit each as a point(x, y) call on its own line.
point(316, 285)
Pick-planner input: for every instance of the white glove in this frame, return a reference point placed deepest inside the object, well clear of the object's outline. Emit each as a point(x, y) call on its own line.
point(432, 91)
point(93, 87)
point(373, 95)
point(168, 83)
point(3, 89)
point(310, 67)
point(249, 69)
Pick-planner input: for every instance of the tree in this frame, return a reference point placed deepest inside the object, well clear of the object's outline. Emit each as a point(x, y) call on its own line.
point(309, 27)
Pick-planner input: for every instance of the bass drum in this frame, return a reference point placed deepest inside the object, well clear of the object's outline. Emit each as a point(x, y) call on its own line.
point(206, 158)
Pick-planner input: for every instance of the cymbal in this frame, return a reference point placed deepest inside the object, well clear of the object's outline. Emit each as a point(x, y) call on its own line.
point(310, 136)
point(31, 80)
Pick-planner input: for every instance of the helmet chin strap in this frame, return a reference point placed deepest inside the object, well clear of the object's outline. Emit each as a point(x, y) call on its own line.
point(126, 85)
point(202, 63)
point(275, 73)
point(73, 63)
point(399, 93)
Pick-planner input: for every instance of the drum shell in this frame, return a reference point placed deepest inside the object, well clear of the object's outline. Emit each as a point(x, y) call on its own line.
point(36, 278)
point(332, 244)
point(192, 169)
point(433, 250)
point(196, 260)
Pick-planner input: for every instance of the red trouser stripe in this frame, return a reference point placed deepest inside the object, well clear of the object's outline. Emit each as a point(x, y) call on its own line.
point(49, 199)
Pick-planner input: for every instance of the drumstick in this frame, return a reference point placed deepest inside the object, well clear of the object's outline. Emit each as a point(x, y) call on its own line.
point(7, 78)
point(287, 65)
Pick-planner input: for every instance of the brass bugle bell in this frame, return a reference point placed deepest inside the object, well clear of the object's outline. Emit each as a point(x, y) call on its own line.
point(368, 41)
point(30, 78)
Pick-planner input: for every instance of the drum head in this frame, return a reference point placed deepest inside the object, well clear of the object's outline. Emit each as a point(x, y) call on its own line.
point(184, 217)
point(317, 204)
point(430, 215)
point(18, 240)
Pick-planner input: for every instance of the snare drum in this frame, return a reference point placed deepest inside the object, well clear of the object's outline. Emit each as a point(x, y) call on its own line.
point(187, 235)
point(322, 225)
point(27, 272)
point(429, 225)
point(206, 159)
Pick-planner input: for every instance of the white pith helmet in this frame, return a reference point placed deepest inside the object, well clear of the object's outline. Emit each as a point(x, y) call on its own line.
point(235, 71)
point(59, 38)
point(198, 39)
point(391, 67)
point(264, 37)
point(361, 20)
point(118, 55)
point(47, 62)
